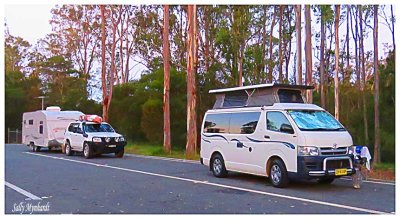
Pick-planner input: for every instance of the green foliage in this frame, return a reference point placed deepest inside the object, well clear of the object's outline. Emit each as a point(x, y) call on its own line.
point(137, 108)
point(351, 112)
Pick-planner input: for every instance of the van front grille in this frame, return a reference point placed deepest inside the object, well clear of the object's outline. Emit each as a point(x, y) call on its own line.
point(337, 164)
point(325, 151)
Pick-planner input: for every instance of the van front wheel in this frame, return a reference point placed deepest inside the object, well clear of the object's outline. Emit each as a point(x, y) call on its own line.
point(218, 166)
point(278, 174)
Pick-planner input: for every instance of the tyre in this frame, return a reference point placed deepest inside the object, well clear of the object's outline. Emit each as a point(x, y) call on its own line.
point(278, 174)
point(87, 151)
point(35, 148)
point(68, 149)
point(326, 180)
point(218, 166)
point(120, 153)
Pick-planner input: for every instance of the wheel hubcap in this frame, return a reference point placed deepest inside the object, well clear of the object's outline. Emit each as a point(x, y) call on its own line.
point(276, 174)
point(67, 149)
point(217, 166)
point(86, 151)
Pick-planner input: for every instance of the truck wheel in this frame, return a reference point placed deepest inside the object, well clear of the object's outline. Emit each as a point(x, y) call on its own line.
point(278, 174)
point(120, 153)
point(328, 180)
point(218, 166)
point(68, 149)
point(87, 151)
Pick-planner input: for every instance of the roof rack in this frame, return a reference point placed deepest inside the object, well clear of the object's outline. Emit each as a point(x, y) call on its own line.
point(259, 95)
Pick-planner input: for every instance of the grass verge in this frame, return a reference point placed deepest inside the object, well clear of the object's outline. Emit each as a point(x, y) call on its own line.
point(156, 150)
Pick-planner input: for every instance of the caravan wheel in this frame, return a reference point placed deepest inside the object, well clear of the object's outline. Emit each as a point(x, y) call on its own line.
point(34, 147)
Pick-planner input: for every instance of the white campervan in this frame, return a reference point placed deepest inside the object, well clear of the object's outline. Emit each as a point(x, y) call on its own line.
point(45, 128)
point(269, 130)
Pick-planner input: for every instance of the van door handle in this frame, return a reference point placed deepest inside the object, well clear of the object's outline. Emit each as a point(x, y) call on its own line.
point(239, 144)
point(267, 137)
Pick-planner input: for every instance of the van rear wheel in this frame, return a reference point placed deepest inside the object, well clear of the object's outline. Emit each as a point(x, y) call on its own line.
point(278, 174)
point(218, 166)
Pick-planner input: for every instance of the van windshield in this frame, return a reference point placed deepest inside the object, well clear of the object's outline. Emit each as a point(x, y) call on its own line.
point(98, 128)
point(315, 120)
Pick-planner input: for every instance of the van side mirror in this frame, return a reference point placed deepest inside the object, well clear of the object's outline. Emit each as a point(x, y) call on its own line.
point(285, 128)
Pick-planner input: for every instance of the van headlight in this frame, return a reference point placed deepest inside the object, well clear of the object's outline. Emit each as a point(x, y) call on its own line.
point(307, 151)
point(96, 139)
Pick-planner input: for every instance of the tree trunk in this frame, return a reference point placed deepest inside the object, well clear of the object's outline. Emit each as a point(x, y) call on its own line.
point(299, 78)
point(377, 146)
point(363, 82)
point(337, 15)
point(167, 126)
point(394, 43)
point(307, 15)
point(103, 63)
point(348, 41)
point(191, 141)
point(282, 7)
point(270, 61)
point(322, 62)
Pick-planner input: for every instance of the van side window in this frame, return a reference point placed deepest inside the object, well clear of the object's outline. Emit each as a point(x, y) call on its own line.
point(216, 123)
point(275, 120)
point(31, 122)
point(243, 123)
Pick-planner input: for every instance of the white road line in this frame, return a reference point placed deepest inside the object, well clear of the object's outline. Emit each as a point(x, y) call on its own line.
point(220, 185)
point(21, 191)
point(198, 162)
point(369, 181)
point(164, 158)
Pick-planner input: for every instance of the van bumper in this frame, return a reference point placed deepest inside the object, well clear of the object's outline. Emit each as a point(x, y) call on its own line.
point(309, 167)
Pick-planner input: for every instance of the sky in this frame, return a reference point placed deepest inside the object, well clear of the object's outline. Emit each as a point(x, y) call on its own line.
point(31, 22)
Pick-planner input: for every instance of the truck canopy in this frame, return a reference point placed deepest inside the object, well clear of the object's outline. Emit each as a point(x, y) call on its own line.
point(259, 95)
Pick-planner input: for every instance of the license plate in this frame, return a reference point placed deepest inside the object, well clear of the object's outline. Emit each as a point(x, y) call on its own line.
point(340, 172)
point(112, 146)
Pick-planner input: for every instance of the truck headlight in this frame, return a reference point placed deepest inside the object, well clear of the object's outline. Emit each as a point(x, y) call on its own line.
point(96, 139)
point(121, 138)
point(307, 151)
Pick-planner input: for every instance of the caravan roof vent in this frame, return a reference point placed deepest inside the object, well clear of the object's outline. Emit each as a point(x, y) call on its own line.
point(53, 108)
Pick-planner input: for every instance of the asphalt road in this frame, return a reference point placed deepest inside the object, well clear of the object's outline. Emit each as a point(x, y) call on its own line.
point(50, 182)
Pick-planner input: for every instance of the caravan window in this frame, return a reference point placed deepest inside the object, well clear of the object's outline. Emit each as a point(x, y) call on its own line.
point(31, 122)
point(244, 123)
point(41, 127)
point(216, 123)
point(290, 96)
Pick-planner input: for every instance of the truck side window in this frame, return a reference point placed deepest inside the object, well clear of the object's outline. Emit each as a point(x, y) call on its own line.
point(216, 123)
point(243, 123)
point(275, 120)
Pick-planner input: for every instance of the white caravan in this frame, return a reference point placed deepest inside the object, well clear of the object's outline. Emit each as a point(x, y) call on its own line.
point(269, 130)
point(46, 128)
